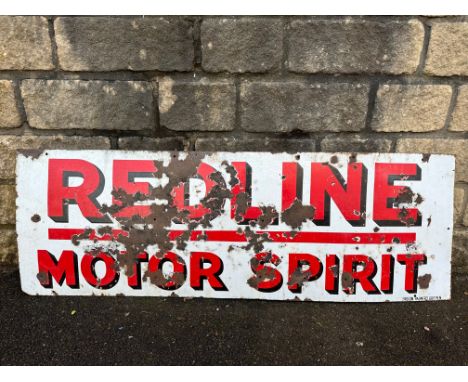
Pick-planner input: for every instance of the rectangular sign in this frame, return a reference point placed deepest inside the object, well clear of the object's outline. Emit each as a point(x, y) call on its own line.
point(307, 226)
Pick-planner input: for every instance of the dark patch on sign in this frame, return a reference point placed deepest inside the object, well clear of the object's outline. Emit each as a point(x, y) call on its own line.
point(159, 279)
point(299, 276)
point(410, 246)
point(425, 157)
point(255, 240)
point(104, 230)
point(404, 196)
point(153, 227)
point(335, 270)
point(42, 277)
point(181, 241)
point(347, 282)
point(405, 218)
point(419, 199)
point(232, 172)
point(242, 203)
point(334, 159)
point(215, 200)
point(297, 214)
point(82, 236)
point(35, 218)
point(269, 215)
point(292, 234)
point(424, 280)
point(202, 237)
point(262, 275)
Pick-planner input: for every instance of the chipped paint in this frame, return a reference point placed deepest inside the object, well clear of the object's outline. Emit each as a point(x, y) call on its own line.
point(206, 225)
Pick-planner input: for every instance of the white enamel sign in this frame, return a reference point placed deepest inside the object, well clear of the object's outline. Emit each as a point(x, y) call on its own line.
point(308, 226)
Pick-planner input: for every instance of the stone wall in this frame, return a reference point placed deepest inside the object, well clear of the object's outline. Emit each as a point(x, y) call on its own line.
point(364, 84)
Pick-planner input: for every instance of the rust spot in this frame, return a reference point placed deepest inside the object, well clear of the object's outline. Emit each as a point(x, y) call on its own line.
point(335, 270)
point(215, 200)
point(347, 282)
point(403, 213)
point(255, 240)
point(376, 229)
point(353, 158)
point(82, 236)
point(405, 218)
point(429, 221)
point(297, 214)
point(153, 227)
point(425, 157)
point(299, 276)
point(232, 172)
point(159, 279)
point(411, 246)
point(105, 230)
point(334, 159)
point(242, 203)
point(268, 216)
point(35, 218)
point(181, 241)
point(42, 277)
point(405, 195)
point(293, 234)
point(424, 280)
point(264, 274)
point(419, 199)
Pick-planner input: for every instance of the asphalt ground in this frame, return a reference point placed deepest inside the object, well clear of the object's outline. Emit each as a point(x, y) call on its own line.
point(176, 331)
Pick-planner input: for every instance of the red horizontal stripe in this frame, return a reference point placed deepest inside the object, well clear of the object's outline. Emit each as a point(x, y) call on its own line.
point(69, 233)
point(273, 236)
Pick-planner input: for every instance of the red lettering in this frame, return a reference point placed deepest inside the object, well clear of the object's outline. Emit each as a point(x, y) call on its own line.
point(291, 185)
point(266, 278)
point(385, 194)
point(60, 194)
point(364, 276)
point(332, 271)
point(177, 277)
point(65, 269)
point(180, 193)
point(412, 263)
point(386, 280)
point(88, 269)
point(297, 275)
point(124, 174)
point(134, 278)
point(212, 274)
point(350, 196)
point(242, 210)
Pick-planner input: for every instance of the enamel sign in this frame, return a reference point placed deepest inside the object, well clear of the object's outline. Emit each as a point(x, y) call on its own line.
point(308, 226)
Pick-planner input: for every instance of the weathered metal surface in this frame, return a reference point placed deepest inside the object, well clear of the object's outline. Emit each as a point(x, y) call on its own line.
point(309, 226)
